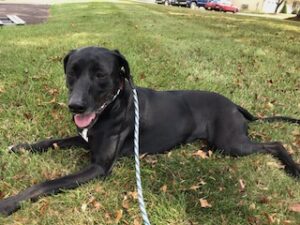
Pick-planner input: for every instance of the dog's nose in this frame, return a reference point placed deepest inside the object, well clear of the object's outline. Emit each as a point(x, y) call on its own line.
point(77, 107)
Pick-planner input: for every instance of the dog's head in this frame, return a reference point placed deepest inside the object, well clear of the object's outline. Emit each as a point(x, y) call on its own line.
point(94, 76)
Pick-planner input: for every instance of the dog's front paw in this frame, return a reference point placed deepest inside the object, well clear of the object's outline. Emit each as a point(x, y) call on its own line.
point(8, 206)
point(19, 148)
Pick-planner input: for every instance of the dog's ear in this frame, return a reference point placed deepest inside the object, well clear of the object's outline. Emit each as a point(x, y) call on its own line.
point(66, 59)
point(125, 70)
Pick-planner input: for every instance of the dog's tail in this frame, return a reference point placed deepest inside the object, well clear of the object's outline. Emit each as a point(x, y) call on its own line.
point(251, 118)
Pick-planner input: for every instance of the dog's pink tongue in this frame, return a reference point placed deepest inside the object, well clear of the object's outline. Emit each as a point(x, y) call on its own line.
point(84, 120)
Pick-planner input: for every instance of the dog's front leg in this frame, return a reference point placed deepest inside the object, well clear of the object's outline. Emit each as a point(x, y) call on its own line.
point(12, 204)
point(76, 141)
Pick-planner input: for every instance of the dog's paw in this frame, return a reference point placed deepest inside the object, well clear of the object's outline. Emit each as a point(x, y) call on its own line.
point(19, 148)
point(8, 206)
point(294, 170)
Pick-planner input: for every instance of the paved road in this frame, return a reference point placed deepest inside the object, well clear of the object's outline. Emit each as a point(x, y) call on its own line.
point(30, 13)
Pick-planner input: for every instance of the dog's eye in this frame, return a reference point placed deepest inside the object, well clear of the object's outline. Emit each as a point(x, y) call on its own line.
point(100, 76)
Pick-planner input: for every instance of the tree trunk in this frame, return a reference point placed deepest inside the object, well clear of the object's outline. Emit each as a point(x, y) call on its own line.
point(278, 4)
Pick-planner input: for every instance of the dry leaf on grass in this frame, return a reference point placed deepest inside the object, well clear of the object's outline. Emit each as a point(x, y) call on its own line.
point(275, 165)
point(137, 221)
point(55, 146)
point(270, 218)
point(242, 185)
point(264, 199)
point(204, 203)
point(133, 194)
point(294, 207)
point(83, 207)
point(253, 220)
point(164, 188)
point(194, 187)
point(125, 202)
point(287, 222)
point(252, 206)
point(118, 215)
point(200, 154)
point(44, 206)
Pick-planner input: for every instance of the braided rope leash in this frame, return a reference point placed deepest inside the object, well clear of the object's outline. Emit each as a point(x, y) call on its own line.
point(137, 159)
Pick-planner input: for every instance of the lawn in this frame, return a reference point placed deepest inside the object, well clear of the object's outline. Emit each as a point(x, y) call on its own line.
point(253, 61)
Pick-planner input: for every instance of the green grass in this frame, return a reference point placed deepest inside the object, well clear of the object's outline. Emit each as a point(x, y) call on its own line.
point(253, 61)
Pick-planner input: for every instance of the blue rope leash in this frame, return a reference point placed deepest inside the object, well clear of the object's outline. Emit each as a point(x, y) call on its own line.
point(137, 159)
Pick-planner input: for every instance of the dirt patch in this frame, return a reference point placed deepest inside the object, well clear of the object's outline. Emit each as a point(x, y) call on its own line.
point(31, 14)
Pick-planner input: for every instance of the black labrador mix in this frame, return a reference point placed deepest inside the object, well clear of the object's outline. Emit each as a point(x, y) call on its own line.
point(100, 99)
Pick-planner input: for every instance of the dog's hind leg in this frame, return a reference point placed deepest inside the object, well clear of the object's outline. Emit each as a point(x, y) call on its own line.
point(276, 149)
point(229, 135)
point(42, 146)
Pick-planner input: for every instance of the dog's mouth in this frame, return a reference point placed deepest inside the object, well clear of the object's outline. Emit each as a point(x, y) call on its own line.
point(84, 120)
point(87, 119)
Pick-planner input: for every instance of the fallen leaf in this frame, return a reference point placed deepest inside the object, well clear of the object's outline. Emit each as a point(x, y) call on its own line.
point(221, 188)
point(270, 105)
point(264, 200)
point(164, 188)
point(151, 159)
point(44, 207)
point(275, 165)
point(137, 221)
point(200, 154)
point(194, 187)
point(270, 218)
point(294, 207)
point(1, 195)
point(253, 220)
point(97, 205)
point(55, 146)
point(107, 216)
point(133, 194)
point(125, 203)
point(296, 132)
point(118, 215)
point(52, 91)
point(242, 185)
point(252, 206)
point(28, 116)
point(62, 104)
point(93, 202)
point(83, 207)
point(204, 203)
point(289, 148)
point(53, 100)
point(98, 189)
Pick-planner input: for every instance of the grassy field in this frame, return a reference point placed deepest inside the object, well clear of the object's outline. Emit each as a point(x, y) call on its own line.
point(253, 61)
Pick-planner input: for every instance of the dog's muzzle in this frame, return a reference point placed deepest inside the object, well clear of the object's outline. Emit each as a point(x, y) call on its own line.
point(87, 120)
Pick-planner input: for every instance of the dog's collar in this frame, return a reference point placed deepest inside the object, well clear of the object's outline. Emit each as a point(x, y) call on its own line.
point(84, 131)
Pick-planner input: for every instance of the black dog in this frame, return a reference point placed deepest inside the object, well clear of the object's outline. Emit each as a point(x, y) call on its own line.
point(100, 98)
